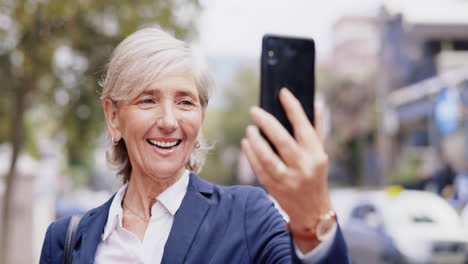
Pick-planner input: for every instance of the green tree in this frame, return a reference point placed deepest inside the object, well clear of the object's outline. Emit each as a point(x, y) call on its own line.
point(52, 53)
point(225, 127)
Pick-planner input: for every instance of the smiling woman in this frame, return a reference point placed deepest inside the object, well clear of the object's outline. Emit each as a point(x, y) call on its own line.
point(161, 126)
point(154, 98)
point(158, 129)
point(136, 65)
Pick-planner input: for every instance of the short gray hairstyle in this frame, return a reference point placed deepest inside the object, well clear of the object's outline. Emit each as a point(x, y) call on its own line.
point(137, 62)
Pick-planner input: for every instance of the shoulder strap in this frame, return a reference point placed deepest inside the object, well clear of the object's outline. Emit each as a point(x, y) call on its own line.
point(70, 238)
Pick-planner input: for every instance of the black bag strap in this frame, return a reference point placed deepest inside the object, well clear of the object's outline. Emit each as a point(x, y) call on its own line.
point(70, 238)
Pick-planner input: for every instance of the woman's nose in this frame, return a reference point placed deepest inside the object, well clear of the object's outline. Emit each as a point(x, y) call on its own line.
point(167, 120)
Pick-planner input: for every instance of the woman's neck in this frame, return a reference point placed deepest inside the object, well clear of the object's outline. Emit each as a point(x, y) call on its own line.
point(143, 190)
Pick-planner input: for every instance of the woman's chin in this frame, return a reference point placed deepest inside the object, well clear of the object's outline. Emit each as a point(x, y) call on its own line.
point(167, 172)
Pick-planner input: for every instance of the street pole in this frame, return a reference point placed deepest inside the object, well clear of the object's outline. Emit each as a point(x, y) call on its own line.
point(383, 146)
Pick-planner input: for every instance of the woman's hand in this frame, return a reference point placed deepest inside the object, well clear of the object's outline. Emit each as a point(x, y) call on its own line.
point(297, 178)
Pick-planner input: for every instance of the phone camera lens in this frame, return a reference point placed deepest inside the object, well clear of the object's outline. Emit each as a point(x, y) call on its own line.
point(271, 58)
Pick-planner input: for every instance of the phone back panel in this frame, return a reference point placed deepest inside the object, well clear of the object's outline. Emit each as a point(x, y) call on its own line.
point(287, 62)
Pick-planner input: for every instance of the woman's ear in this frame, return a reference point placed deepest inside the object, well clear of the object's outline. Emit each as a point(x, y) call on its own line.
point(112, 119)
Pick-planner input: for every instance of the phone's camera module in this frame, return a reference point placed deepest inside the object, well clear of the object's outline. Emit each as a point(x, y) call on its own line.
point(271, 58)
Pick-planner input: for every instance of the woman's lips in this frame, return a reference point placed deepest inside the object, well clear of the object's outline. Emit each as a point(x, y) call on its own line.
point(164, 144)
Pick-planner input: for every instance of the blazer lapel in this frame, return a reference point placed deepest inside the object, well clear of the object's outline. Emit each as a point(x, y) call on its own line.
point(90, 231)
point(187, 220)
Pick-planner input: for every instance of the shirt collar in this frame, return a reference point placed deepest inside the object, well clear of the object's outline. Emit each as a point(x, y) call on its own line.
point(171, 199)
point(115, 212)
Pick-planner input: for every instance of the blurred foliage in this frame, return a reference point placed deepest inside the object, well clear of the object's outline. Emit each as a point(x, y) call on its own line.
point(409, 169)
point(353, 116)
point(32, 145)
point(225, 127)
point(354, 152)
point(5, 114)
point(54, 52)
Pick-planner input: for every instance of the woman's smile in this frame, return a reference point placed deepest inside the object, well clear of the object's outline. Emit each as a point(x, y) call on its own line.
point(164, 147)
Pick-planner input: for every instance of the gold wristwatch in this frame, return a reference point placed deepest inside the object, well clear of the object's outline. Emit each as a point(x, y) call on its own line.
point(321, 231)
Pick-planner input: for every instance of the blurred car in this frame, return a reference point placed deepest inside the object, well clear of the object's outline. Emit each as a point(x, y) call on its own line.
point(464, 216)
point(343, 201)
point(404, 227)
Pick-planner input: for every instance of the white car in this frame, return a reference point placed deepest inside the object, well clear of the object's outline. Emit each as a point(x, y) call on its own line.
point(404, 227)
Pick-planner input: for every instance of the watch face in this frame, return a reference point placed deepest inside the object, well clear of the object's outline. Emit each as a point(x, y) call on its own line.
point(324, 228)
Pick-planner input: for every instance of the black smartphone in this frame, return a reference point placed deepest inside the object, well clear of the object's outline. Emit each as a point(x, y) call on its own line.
point(287, 62)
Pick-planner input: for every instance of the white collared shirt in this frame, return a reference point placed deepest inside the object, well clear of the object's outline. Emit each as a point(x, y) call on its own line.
point(120, 246)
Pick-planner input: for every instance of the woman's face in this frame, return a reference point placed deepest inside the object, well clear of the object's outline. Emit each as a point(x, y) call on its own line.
point(161, 126)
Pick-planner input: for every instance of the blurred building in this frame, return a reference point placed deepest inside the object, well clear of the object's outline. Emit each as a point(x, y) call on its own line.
point(353, 67)
point(355, 47)
point(390, 67)
point(418, 35)
point(424, 57)
point(33, 198)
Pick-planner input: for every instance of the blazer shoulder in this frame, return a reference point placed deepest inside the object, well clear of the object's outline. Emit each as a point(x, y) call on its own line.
point(57, 230)
point(59, 227)
point(54, 241)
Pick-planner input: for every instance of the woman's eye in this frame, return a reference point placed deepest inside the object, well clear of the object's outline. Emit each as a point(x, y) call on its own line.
point(187, 102)
point(146, 101)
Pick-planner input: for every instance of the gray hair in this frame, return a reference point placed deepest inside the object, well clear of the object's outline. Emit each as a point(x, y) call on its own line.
point(137, 61)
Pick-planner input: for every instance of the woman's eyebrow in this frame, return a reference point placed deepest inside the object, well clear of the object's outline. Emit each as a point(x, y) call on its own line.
point(180, 91)
point(149, 92)
point(186, 93)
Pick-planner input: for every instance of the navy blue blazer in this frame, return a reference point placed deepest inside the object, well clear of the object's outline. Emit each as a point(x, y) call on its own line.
point(214, 224)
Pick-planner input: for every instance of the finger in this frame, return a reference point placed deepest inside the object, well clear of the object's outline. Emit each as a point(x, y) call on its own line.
point(303, 129)
point(267, 159)
point(254, 163)
point(319, 122)
point(284, 143)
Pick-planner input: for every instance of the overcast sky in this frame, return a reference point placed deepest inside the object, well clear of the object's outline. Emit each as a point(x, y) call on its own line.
point(235, 27)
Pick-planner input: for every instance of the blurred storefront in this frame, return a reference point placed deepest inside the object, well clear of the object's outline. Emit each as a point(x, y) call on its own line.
point(432, 115)
point(33, 204)
point(425, 65)
point(395, 70)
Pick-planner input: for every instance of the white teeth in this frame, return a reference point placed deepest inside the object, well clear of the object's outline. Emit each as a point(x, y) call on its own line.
point(164, 144)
